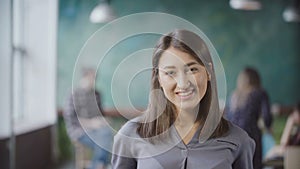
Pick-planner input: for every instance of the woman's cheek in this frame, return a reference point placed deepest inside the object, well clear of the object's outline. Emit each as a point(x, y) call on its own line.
point(166, 81)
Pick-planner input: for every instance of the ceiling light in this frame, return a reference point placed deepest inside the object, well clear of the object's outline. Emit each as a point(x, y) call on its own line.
point(245, 4)
point(102, 13)
point(292, 13)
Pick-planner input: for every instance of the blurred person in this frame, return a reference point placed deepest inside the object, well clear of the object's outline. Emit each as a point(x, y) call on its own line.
point(249, 102)
point(289, 137)
point(84, 121)
point(183, 126)
point(291, 132)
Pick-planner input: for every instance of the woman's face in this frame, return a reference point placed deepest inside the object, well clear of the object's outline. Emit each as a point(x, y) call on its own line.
point(183, 79)
point(242, 81)
point(296, 116)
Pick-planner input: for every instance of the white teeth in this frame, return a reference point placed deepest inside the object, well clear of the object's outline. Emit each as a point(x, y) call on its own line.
point(185, 93)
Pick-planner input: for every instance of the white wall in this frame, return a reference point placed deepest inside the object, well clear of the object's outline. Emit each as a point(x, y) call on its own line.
point(36, 31)
point(5, 53)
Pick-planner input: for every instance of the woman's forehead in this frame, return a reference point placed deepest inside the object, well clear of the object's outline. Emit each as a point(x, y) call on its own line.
point(176, 56)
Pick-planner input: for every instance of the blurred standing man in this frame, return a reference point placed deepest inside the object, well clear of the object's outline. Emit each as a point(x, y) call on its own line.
point(83, 109)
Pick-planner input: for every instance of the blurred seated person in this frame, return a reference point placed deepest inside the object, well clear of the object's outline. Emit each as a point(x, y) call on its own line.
point(84, 120)
point(290, 135)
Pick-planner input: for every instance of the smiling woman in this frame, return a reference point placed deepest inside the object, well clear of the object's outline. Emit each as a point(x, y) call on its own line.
point(183, 126)
point(184, 83)
point(184, 80)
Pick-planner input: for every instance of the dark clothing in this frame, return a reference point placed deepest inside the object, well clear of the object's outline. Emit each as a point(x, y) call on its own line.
point(256, 106)
point(234, 150)
point(86, 104)
point(295, 136)
point(81, 103)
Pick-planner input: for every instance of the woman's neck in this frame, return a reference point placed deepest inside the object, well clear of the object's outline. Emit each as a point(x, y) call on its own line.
point(186, 125)
point(186, 118)
point(184, 122)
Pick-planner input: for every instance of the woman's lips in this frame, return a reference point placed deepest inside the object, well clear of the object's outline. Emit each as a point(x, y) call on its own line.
point(186, 94)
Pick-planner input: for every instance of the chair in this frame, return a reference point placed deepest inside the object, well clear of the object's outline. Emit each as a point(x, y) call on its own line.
point(292, 157)
point(82, 156)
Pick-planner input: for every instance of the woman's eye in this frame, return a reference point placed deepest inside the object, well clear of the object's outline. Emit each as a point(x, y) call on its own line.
point(170, 73)
point(193, 70)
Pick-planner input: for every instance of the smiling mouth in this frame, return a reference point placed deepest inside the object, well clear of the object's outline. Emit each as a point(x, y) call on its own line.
point(183, 95)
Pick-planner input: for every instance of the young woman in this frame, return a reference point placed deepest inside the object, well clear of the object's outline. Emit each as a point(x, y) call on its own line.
point(250, 102)
point(182, 126)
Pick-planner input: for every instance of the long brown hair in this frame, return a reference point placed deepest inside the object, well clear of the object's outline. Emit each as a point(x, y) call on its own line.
point(247, 81)
point(162, 118)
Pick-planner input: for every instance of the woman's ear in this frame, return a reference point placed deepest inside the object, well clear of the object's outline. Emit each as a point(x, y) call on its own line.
point(210, 68)
point(208, 76)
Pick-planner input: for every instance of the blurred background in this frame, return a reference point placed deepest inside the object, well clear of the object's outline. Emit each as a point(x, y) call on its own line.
point(41, 40)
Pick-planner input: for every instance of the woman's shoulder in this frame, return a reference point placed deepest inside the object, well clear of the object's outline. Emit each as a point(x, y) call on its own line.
point(129, 128)
point(237, 136)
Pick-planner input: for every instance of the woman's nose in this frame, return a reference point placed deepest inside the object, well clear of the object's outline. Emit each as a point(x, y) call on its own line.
point(183, 81)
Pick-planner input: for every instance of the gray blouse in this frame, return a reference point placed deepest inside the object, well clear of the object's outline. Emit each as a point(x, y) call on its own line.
point(233, 151)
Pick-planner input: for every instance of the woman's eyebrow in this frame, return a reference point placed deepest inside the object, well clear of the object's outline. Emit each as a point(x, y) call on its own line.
point(186, 65)
point(192, 63)
point(169, 67)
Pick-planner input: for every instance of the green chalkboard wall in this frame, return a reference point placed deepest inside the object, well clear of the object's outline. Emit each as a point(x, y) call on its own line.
point(257, 38)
